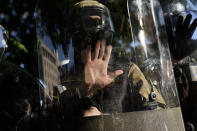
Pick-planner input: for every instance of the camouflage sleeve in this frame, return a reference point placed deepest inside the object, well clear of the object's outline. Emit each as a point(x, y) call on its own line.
point(138, 80)
point(73, 103)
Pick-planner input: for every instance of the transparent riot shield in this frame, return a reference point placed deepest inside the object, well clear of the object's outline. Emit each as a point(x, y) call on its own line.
point(151, 48)
point(108, 59)
point(181, 23)
point(20, 94)
point(180, 17)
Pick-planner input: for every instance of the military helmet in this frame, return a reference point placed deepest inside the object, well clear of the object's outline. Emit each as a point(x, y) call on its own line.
point(92, 22)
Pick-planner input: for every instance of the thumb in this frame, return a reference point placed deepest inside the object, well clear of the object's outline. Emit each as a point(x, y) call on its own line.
point(116, 73)
point(93, 111)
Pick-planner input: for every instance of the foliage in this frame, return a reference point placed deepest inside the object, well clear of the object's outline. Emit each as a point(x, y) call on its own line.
point(18, 46)
point(57, 17)
point(17, 17)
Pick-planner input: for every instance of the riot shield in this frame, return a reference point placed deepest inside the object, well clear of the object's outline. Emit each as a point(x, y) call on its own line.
point(21, 92)
point(181, 23)
point(99, 59)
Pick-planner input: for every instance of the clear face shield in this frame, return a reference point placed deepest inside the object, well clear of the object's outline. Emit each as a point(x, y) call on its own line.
point(92, 23)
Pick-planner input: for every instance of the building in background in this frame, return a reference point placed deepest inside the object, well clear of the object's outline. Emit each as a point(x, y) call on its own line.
point(48, 68)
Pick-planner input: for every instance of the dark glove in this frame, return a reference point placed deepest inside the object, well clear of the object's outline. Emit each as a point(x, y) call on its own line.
point(180, 42)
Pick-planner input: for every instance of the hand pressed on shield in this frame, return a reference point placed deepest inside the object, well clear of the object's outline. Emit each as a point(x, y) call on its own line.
point(96, 74)
point(181, 43)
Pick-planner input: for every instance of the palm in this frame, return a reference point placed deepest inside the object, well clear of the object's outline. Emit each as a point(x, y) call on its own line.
point(96, 75)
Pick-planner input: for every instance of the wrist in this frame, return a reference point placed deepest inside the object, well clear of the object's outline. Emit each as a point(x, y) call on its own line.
point(86, 90)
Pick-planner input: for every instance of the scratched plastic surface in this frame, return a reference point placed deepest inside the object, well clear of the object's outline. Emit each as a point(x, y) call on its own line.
point(175, 9)
point(139, 46)
point(44, 77)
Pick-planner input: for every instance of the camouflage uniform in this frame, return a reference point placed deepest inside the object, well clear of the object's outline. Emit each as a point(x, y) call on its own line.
point(130, 92)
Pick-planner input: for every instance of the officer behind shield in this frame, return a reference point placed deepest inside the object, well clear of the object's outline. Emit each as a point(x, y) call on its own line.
point(92, 35)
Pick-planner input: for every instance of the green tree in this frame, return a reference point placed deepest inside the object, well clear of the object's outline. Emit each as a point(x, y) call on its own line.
point(17, 17)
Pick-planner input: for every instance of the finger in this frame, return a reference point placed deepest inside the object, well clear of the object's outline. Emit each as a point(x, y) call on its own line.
point(116, 73)
point(88, 52)
point(102, 51)
point(170, 35)
point(93, 55)
point(187, 20)
point(192, 28)
point(109, 49)
point(97, 48)
point(93, 111)
point(179, 22)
